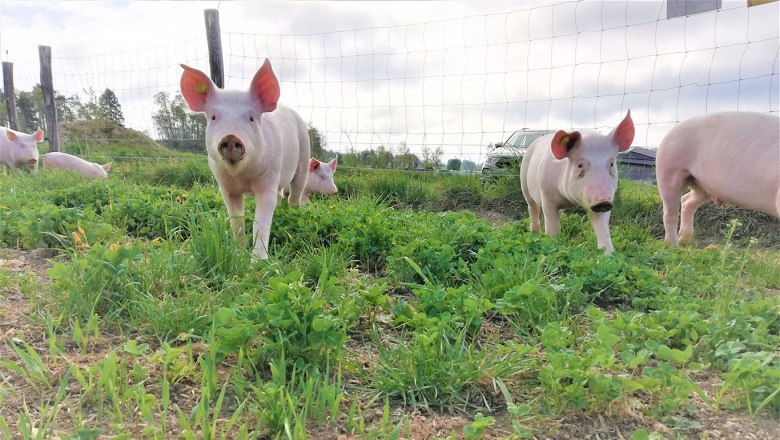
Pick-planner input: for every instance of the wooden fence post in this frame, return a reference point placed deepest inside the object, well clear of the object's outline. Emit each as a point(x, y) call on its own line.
point(8, 90)
point(49, 106)
point(214, 39)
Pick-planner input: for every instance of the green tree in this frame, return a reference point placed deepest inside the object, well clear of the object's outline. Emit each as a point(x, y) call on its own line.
point(29, 111)
point(176, 126)
point(111, 108)
point(432, 158)
point(383, 158)
point(403, 159)
point(67, 107)
point(91, 109)
point(318, 142)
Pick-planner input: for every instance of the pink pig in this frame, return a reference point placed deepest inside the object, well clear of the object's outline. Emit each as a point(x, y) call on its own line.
point(566, 170)
point(319, 181)
point(729, 157)
point(66, 161)
point(320, 178)
point(253, 146)
point(19, 150)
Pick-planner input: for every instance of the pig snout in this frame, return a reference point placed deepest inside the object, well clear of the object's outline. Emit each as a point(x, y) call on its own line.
point(602, 207)
point(231, 149)
point(32, 161)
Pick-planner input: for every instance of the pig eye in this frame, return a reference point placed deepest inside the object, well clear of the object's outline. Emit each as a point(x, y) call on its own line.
point(213, 117)
point(252, 118)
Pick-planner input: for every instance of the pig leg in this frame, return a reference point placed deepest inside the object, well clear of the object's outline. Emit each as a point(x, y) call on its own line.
point(690, 203)
point(235, 208)
point(600, 223)
point(670, 187)
point(552, 218)
point(533, 212)
point(298, 183)
point(261, 230)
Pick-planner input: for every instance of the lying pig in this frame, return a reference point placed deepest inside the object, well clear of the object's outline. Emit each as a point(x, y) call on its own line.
point(730, 157)
point(67, 161)
point(253, 146)
point(19, 150)
point(566, 170)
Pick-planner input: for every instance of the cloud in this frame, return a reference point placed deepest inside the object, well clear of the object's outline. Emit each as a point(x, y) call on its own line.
point(456, 74)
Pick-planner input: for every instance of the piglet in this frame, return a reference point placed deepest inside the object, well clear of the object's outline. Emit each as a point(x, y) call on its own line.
point(19, 150)
point(65, 161)
point(253, 146)
point(566, 170)
point(729, 157)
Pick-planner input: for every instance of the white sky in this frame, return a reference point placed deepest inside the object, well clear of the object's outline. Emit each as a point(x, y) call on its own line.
point(457, 74)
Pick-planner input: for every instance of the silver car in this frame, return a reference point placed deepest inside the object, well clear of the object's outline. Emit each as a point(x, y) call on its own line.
point(507, 155)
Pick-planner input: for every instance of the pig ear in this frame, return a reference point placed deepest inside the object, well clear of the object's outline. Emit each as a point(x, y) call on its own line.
point(623, 134)
point(106, 166)
point(10, 135)
point(265, 87)
point(39, 135)
point(314, 165)
point(332, 165)
point(196, 88)
point(563, 142)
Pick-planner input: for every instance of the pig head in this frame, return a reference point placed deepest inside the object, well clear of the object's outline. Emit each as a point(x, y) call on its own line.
point(571, 169)
point(320, 180)
point(19, 150)
point(726, 157)
point(253, 146)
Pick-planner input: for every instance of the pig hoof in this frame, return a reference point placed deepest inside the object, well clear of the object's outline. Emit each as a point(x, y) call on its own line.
point(686, 240)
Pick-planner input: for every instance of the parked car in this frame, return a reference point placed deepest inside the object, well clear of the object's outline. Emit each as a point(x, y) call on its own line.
point(507, 155)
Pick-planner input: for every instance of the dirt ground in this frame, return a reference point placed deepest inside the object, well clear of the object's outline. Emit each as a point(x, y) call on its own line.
point(16, 322)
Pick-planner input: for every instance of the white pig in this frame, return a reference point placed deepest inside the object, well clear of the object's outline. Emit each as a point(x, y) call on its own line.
point(67, 161)
point(19, 150)
point(566, 170)
point(253, 146)
point(320, 180)
point(729, 157)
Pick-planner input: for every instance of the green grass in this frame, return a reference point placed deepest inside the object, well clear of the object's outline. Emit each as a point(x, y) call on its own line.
point(158, 324)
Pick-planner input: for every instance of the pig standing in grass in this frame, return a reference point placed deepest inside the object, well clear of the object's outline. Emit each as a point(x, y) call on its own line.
point(19, 150)
point(253, 146)
point(566, 170)
point(730, 157)
point(66, 161)
point(320, 180)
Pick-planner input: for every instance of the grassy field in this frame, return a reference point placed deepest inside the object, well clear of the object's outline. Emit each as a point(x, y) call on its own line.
point(411, 306)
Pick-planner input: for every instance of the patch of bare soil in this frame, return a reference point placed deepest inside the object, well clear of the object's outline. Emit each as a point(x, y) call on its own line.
point(495, 218)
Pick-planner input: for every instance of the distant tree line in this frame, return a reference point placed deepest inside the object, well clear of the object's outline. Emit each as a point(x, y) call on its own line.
point(179, 128)
point(30, 111)
point(399, 157)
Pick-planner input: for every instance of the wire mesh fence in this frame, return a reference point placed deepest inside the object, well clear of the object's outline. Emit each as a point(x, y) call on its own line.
point(456, 87)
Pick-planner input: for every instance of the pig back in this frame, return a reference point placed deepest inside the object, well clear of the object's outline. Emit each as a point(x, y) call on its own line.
point(539, 171)
point(732, 156)
point(285, 127)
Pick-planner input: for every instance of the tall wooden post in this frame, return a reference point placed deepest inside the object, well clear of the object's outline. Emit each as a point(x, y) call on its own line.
point(214, 39)
point(8, 90)
point(47, 89)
